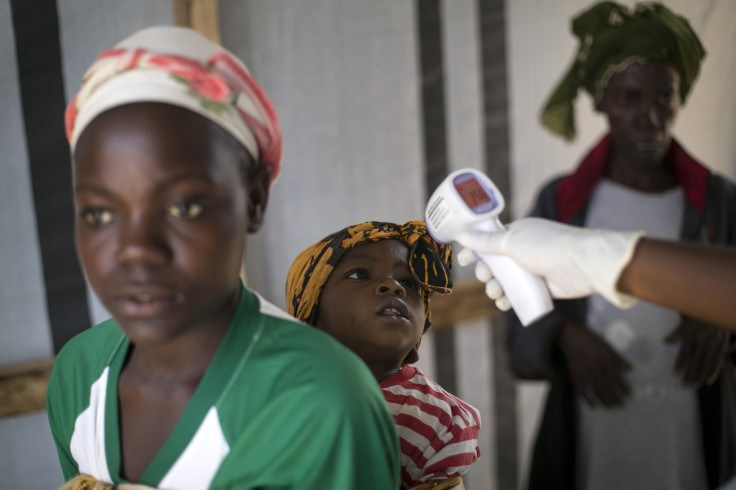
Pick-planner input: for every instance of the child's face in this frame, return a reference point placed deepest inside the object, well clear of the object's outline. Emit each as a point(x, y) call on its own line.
point(162, 209)
point(372, 304)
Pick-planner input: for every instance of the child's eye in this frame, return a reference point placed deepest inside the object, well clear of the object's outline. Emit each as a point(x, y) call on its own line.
point(96, 216)
point(357, 274)
point(185, 209)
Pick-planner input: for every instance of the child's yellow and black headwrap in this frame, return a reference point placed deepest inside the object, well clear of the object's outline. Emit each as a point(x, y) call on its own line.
point(612, 37)
point(429, 261)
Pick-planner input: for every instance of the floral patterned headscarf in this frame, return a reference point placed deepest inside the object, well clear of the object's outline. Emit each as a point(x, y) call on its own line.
point(177, 66)
point(429, 261)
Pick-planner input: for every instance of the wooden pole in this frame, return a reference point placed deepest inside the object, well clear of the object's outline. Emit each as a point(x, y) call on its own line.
point(200, 15)
point(23, 386)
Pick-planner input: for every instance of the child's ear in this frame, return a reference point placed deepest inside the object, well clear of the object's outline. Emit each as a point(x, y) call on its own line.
point(257, 185)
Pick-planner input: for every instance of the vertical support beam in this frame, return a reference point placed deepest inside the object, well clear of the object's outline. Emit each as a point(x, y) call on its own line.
point(200, 15)
point(504, 388)
point(434, 132)
point(41, 81)
point(495, 95)
point(496, 138)
point(434, 126)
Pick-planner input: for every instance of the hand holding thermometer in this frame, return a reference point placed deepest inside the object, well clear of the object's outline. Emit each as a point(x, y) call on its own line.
point(468, 200)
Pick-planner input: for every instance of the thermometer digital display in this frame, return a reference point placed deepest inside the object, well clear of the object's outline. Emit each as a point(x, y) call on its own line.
point(468, 200)
point(472, 192)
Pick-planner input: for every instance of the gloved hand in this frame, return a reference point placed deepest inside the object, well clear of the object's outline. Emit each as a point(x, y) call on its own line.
point(575, 262)
point(595, 367)
point(703, 348)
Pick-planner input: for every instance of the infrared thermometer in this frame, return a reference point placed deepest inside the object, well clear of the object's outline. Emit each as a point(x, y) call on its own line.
point(468, 200)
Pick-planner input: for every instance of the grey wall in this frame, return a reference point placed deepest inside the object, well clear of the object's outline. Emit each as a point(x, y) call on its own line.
point(343, 78)
point(29, 457)
point(25, 331)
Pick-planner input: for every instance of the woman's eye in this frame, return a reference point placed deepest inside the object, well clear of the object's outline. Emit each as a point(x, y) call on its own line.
point(359, 274)
point(96, 216)
point(186, 209)
point(664, 99)
point(624, 99)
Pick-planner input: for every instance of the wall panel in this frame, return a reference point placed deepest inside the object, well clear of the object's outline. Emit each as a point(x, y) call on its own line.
point(343, 79)
point(24, 325)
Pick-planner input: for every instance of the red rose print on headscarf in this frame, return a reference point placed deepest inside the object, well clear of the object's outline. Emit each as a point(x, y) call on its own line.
point(204, 83)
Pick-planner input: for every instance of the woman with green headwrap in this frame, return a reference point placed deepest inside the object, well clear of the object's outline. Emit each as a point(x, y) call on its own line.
point(641, 397)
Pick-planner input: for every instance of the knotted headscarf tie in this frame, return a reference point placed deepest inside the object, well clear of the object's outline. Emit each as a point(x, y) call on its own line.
point(612, 37)
point(177, 66)
point(429, 261)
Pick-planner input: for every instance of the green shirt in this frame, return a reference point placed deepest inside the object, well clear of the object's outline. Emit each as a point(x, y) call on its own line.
point(280, 406)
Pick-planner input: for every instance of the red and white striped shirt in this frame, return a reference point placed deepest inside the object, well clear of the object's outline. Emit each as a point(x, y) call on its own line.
point(438, 432)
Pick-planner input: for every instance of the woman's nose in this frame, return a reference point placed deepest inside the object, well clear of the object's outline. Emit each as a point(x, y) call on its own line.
point(142, 241)
point(654, 118)
point(389, 285)
point(649, 112)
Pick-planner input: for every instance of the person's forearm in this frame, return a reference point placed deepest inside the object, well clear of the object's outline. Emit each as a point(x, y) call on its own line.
point(697, 280)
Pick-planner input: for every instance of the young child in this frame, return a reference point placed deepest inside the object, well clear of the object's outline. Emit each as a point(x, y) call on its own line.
point(196, 382)
point(369, 286)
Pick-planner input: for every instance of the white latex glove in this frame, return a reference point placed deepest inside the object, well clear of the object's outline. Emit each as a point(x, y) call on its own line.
point(575, 262)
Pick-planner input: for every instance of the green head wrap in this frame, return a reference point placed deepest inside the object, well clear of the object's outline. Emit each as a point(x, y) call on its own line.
point(612, 37)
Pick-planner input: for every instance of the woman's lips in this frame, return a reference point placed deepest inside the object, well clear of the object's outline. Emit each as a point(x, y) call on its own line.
point(647, 145)
point(143, 304)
